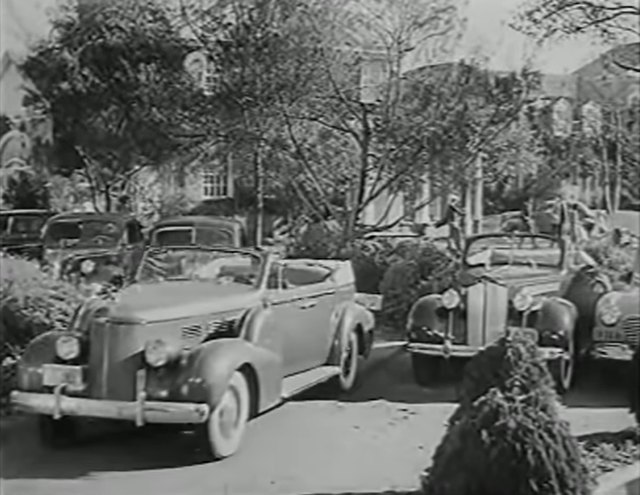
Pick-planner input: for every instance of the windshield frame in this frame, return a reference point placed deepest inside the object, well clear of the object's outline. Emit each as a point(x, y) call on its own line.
point(263, 257)
point(471, 240)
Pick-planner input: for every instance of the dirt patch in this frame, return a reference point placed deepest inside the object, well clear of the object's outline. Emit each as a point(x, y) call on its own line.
point(606, 452)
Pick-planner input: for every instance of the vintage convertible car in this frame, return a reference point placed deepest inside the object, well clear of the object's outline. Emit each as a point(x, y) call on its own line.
point(207, 337)
point(93, 249)
point(508, 283)
point(616, 331)
point(20, 232)
point(198, 230)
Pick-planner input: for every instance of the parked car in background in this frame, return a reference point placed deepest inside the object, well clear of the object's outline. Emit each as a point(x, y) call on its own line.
point(198, 230)
point(93, 249)
point(616, 331)
point(521, 283)
point(20, 232)
point(207, 337)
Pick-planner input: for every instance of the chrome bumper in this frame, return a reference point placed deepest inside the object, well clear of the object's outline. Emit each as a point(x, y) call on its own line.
point(611, 351)
point(140, 411)
point(464, 351)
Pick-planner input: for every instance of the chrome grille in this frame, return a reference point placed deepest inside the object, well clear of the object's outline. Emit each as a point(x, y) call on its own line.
point(221, 326)
point(631, 329)
point(487, 305)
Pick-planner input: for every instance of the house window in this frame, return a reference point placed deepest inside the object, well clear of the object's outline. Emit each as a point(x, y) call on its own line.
point(215, 184)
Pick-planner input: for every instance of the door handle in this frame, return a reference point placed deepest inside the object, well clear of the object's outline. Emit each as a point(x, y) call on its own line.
point(307, 304)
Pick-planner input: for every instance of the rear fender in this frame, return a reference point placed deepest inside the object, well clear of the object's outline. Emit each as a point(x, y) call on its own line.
point(557, 314)
point(205, 372)
point(424, 313)
point(351, 316)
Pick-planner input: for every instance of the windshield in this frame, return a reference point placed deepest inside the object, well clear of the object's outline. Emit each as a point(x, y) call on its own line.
point(514, 250)
point(83, 233)
point(221, 267)
point(188, 236)
point(21, 225)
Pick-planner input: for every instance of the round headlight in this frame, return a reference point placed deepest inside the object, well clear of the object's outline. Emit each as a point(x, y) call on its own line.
point(450, 299)
point(608, 311)
point(67, 347)
point(156, 353)
point(522, 301)
point(87, 266)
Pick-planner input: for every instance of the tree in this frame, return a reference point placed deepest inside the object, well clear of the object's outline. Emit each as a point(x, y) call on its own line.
point(112, 78)
point(611, 19)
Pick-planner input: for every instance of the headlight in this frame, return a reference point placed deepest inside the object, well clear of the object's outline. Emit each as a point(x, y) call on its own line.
point(522, 300)
point(450, 299)
point(157, 353)
point(608, 310)
point(67, 347)
point(87, 266)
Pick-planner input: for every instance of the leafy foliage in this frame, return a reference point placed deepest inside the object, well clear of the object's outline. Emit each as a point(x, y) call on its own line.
point(32, 302)
point(506, 436)
point(26, 191)
point(112, 79)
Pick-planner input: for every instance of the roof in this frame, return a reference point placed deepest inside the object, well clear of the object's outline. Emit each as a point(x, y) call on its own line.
point(197, 221)
point(86, 215)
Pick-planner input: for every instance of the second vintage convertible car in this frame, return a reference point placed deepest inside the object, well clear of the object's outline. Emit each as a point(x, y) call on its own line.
point(522, 283)
point(207, 337)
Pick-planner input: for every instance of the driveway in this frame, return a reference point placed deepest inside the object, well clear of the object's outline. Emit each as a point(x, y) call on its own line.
point(376, 440)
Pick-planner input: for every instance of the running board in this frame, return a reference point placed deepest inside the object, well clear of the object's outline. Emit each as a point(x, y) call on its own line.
point(293, 385)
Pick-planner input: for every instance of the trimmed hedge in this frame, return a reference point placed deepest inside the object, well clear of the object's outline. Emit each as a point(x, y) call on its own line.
point(506, 436)
point(31, 302)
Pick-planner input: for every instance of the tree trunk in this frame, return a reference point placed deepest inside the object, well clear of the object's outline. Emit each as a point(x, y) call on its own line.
point(259, 180)
point(606, 178)
point(617, 191)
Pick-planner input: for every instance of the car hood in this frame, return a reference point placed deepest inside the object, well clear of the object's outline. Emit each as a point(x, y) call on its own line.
point(180, 299)
point(539, 280)
point(53, 255)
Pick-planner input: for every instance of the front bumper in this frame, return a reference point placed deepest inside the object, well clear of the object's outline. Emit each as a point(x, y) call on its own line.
point(140, 411)
point(448, 350)
point(613, 351)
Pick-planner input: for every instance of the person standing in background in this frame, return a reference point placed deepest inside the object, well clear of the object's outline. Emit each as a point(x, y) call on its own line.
point(454, 218)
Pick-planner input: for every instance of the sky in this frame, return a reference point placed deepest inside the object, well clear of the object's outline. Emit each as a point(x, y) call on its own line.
point(25, 21)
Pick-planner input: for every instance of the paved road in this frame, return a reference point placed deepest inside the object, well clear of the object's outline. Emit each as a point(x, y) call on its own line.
point(376, 440)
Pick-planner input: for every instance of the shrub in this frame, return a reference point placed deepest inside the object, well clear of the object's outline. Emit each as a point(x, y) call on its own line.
point(510, 362)
point(614, 261)
point(31, 302)
point(506, 436)
point(508, 444)
point(414, 270)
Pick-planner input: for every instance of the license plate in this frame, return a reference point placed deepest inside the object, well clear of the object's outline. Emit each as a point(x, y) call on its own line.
point(608, 335)
point(59, 374)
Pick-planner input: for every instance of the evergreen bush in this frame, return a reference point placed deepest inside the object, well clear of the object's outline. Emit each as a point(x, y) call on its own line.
point(508, 444)
point(506, 436)
point(31, 302)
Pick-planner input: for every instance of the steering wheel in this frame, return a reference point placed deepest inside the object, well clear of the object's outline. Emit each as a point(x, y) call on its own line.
point(100, 239)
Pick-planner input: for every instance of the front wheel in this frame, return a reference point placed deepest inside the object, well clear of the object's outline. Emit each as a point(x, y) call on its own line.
point(562, 372)
point(227, 422)
point(349, 363)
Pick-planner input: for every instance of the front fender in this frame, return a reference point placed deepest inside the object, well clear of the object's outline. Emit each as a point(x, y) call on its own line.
point(557, 315)
point(350, 316)
point(41, 350)
point(202, 374)
point(424, 313)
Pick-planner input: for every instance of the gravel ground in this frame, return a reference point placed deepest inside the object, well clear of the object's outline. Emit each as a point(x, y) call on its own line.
point(606, 452)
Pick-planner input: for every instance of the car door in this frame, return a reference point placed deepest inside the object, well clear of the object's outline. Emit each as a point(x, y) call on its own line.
point(312, 289)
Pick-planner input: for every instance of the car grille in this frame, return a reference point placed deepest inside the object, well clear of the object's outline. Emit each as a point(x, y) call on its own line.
point(191, 335)
point(487, 305)
point(631, 329)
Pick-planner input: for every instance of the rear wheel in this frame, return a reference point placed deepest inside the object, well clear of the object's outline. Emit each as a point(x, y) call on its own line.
point(57, 433)
point(226, 425)
point(426, 369)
